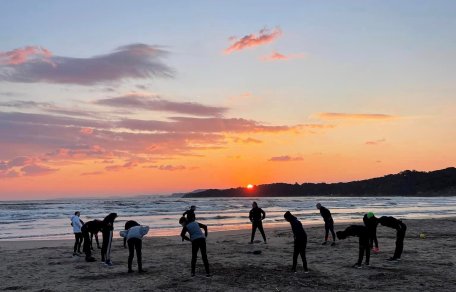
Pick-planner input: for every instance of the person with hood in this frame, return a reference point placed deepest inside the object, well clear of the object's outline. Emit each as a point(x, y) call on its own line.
point(300, 241)
point(128, 225)
point(329, 224)
point(133, 236)
point(256, 216)
point(400, 227)
point(108, 227)
point(198, 240)
point(77, 223)
point(371, 222)
point(190, 214)
point(363, 233)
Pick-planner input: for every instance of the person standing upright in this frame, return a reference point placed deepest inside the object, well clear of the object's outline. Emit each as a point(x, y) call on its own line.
point(256, 216)
point(329, 224)
point(77, 223)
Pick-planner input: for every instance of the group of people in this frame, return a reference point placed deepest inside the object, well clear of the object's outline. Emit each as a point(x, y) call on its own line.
point(197, 233)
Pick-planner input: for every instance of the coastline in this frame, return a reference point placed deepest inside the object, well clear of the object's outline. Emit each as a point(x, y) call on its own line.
point(427, 263)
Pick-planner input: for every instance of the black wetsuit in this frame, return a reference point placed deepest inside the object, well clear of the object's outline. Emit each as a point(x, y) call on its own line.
point(190, 215)
point(329, 223)
point(108, 228)
point(371, 224)
point(128, 225)
point(363, 233)
point(300, 243)
point(256, 216)
point(401, 228)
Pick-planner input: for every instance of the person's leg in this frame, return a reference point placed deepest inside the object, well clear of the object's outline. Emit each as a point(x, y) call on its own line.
point(108, 251)
point(331, 228)
point(138, 247)
point(79, 241)
point(96, 239)
point(361, 255)
point(76, 240)
point(374, 237)
point(326, 231)
point(131, 254)
point(91, 240)
point(254, 227)
point(104, 245)
point(302, 251)
point(204, 255)
point(195, 248)
point(86, 246)
point(400, 242)
point(367, 255)
point(125, 242)
point(295, 255)
point(260, 227)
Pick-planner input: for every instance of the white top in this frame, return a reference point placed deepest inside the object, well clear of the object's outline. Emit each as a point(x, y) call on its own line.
point(76, 222)
point(135, 232)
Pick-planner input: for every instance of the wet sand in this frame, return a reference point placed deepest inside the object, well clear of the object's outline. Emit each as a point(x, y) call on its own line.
point(427, 264)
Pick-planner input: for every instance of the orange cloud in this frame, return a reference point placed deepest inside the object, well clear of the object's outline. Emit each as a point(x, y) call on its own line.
point(276, 56)
point(263, 37)
point(285, 158)
point(21, 55)
point(375, 142)
point(347, 116)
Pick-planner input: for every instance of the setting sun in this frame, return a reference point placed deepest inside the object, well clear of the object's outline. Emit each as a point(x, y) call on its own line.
point(250, 186)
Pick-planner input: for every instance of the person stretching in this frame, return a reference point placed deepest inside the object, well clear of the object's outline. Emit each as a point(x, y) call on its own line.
point(400, 235)
point(86, 248)
point(363, 233)
point(371, 222)
point(256, 216)
point(329, 224)
point(129, 224)
point(190, 214)
point(108, 227)
point(198, 240)
point(300, 241)
point(133, 236)
point(77, 223)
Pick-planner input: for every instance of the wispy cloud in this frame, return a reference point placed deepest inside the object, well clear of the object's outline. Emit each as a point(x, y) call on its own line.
point(23, 166)
point(263, 37)
point(130, 61)
point(285, 158)
point(375, 142)
point(169, 167)
point(350, 116)
point(276, 56)
point(150, 102)
point(247, 141)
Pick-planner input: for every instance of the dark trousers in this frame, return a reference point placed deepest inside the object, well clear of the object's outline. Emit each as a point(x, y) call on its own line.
point(400, 241)
point(329, 226)
point(86, 246)
point(96, 239)
point(364, 247)
point(106, 245)
point(77, 242)
point(259, 225)
point(199, 244)
point(134, 243)
point(373, 238)
point(300, 249)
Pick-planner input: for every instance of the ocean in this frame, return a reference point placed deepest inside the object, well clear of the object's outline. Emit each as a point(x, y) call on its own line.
point(50, 219)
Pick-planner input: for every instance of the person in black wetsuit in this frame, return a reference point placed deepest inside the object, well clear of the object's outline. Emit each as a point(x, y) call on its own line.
point(198, 240)
point(88, 229)
point(371, 222)
point(329, 224)
point(128, 225)
point(108, 227)
point(401, 228)
point(256, 216)
point(300, 241)
point(190, 214)
point(363, 233)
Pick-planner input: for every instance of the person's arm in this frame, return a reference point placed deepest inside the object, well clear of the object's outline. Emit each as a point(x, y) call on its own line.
point(183, 214)
point(184, 237)
point(365, 220)
point(82, 222)
point(204, 227)
point(263, 213)
point(251, 215)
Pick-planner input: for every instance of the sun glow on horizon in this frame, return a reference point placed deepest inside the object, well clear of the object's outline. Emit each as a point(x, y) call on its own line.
point(249, 186)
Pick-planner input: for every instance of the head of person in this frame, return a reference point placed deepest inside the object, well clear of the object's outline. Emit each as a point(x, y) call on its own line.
point(183, 221)
point(77, 213)
point(193, 207)
point(341, 235)
point(110, 218)
point(288, 216)
point(254, 205)
point(370, 215)
point(318, 206)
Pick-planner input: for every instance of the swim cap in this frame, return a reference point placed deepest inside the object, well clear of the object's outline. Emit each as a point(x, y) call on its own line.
point(370, 215)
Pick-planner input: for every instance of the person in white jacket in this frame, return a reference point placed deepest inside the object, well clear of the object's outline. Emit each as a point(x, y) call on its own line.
point(134, 237)
point(77, 223)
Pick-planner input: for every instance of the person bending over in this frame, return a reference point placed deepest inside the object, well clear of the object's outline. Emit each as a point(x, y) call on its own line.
point(86, 231)
point(77, 223)
point(400, 235)
point(256, 216)
point(129, 224)
point(329, 224)
point(371, 222)
point(133, 236)
point(198, 240)
point(190, 214)
point(363, 233)
point(300, 241)
point(108, 227)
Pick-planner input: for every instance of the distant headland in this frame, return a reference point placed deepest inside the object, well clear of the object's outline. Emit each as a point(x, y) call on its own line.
point(406, 183)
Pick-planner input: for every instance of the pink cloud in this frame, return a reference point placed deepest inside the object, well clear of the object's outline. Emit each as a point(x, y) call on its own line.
point(348, 116)
point(118, 167)
point(247, 141)
point(285, 158)
point(276, 56)
point(35, 169)
point(86, 131)
point(375, 142)
point(22, 55)
point(263, 37)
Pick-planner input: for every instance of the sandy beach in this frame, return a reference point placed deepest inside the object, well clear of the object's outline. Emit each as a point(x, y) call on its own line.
point(427, 264)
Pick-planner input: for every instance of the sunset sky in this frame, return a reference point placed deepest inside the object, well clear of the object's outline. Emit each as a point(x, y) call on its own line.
point(106, 98)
